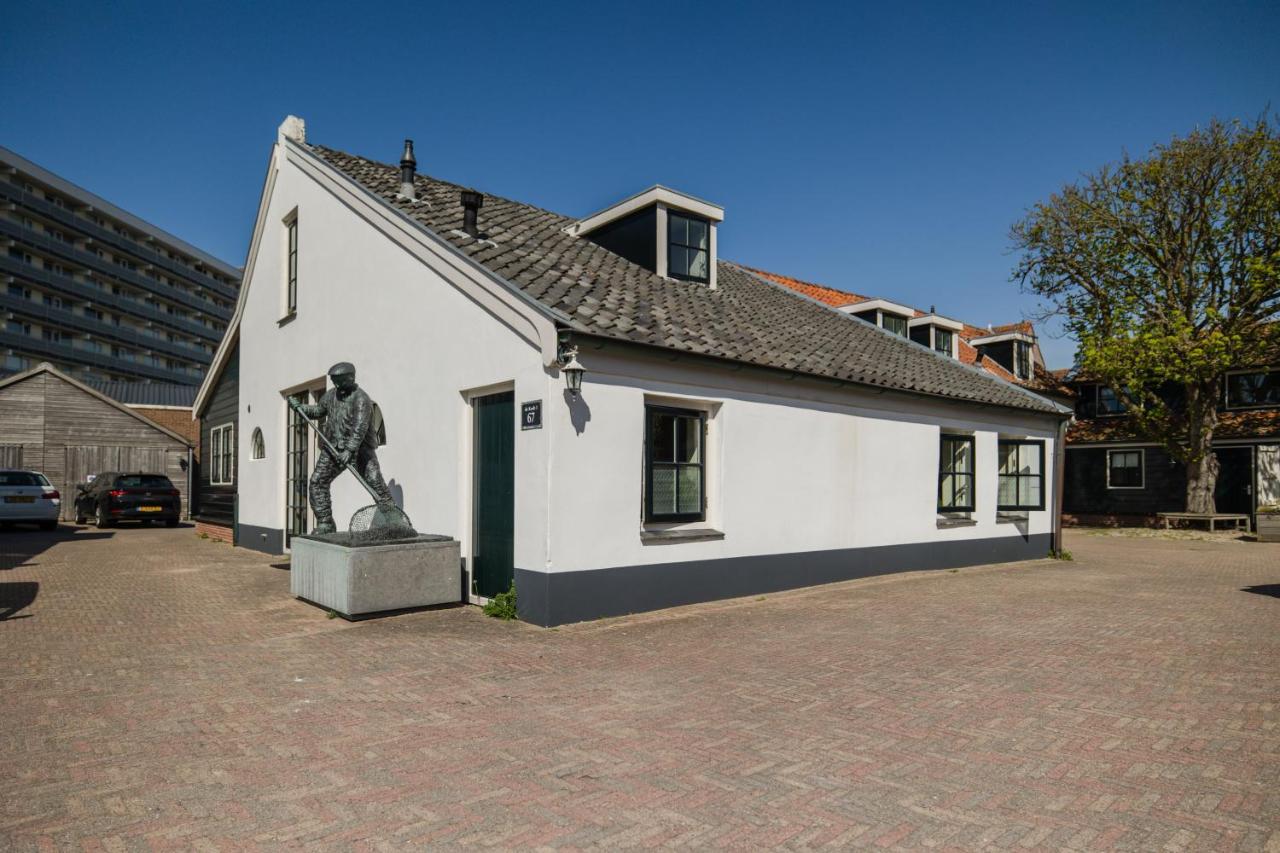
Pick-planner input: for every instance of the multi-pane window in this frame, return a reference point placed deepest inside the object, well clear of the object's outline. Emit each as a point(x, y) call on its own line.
point(955, 474)
point(942, 340)
point(297, 455)
point(675, 470)
point(1021, 475)
point(1109, 402)
point(1124, 469)
point(291, 284)
point(688, 250)
point(222, 445)
point(257, 446)
point(1249, 390)
point(894, 323)
point(1022, 359)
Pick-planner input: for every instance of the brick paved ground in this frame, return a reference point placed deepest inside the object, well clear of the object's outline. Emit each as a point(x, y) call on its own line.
point(163, 691)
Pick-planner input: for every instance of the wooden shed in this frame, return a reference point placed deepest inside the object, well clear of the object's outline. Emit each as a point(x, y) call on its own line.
point(57, 425)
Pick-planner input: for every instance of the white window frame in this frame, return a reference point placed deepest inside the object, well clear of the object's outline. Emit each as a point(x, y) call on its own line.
point(289, 295)
point(222, 442)
point(1142, 467)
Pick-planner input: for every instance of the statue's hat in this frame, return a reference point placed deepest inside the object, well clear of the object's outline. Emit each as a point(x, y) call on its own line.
point(342, 367)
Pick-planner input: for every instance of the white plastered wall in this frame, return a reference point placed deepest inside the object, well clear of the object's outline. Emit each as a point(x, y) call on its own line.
point(793, 466)
point(419, 345)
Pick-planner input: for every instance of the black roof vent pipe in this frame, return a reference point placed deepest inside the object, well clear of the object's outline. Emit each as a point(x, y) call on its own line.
point(472, 201)
point(408, 168)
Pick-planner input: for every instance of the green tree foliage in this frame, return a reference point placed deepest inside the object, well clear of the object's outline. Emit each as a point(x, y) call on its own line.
point(1167, 271)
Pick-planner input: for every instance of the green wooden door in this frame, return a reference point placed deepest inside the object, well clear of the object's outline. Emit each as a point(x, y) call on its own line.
point(493, 495)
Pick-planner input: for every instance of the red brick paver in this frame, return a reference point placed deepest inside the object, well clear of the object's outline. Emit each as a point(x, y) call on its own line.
point(163, 691)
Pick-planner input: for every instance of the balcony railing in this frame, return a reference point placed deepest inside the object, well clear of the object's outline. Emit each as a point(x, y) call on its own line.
point(78, 291)
point(64, 318)
point(22, 198)
point(57, 248)
point(27, 344)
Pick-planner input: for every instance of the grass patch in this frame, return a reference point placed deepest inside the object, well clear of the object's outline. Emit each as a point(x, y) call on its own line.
point(1061, 554)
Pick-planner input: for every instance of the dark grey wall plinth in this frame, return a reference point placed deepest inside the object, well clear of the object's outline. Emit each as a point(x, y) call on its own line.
point(556, 598)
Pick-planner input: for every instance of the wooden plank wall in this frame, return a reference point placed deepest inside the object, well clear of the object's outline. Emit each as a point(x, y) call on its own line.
point(22, 419)
point(218, 503)
point(55, 422)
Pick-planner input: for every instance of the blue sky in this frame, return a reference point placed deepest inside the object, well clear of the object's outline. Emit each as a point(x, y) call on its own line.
point(884, 149)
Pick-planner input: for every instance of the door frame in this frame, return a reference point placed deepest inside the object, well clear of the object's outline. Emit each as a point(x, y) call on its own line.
point(316, 387)
point(466, 478)
point(1252, 483)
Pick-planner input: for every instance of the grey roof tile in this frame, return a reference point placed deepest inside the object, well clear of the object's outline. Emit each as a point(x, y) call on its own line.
point(746, 318)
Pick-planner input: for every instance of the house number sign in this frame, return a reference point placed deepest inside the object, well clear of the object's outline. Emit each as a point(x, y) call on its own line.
point(531, 415)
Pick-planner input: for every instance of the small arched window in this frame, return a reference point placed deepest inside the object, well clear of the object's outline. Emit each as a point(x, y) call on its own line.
point(258, 447)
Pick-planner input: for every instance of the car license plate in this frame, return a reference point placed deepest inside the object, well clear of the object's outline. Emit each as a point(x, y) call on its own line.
point(150, 509)
point(19, 499)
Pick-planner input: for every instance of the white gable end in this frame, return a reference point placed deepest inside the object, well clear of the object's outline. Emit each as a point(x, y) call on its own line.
point(369, 292)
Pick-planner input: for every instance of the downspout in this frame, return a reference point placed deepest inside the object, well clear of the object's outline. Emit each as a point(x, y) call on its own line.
point(1059, 471)
point(190, 493)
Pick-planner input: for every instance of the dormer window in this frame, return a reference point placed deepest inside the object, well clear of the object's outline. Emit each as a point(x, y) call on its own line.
point(889, 316)
point(893, 323)
point(936, 332)
point(1022, 359)
point(667, 232)
point(1011, 350)
point(687, 251)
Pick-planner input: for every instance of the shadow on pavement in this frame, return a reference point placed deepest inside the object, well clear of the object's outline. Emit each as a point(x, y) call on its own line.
point(15, 596)
point(19, 544)
point(1271, 589)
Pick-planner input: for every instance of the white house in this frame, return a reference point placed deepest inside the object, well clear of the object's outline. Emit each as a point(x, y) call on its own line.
point(731, 437)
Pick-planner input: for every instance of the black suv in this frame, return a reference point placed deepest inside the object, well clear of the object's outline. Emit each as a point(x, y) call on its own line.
point(113, 497)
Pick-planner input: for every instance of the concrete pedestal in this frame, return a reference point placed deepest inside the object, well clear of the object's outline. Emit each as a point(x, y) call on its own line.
point(373, 578)
point(1268, 527)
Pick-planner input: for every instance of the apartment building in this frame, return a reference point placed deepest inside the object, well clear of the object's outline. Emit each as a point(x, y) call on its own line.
point(97, 292)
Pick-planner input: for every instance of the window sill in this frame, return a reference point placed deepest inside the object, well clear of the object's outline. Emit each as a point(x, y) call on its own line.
point(1012, 517)
point(702, 534)
point(945, 522)
point(287, 318)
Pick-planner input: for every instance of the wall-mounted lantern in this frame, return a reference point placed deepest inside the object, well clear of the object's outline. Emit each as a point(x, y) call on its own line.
point(572, 371)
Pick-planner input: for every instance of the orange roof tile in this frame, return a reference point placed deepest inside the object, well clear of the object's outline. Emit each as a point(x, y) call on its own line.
point(1042, 380)
point(822, 293)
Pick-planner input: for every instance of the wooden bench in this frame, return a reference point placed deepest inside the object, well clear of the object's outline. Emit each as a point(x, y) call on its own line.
point(1241, 522)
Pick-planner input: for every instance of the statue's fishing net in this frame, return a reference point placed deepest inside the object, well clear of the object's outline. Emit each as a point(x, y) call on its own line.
point(377, 522)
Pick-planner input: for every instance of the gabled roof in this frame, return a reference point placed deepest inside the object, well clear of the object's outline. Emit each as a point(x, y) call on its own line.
point(147, 393)
point(746, 318)
point(46, 367)
point(587, 289)
point(1041, 381)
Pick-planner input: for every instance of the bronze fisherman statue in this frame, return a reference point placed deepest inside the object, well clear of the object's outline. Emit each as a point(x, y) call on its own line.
point(351, 423)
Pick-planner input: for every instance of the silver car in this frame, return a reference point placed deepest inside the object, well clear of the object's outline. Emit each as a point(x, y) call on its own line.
point(28, 496)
